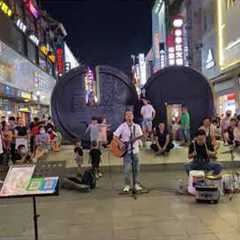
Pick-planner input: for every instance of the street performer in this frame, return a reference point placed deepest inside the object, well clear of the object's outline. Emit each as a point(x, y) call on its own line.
point(129, 135)
point(201, 155)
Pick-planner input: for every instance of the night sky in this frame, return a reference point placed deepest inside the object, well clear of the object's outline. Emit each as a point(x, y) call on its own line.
point(105, 31)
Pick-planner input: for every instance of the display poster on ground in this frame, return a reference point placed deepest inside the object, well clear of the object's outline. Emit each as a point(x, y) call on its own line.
point(19, 182)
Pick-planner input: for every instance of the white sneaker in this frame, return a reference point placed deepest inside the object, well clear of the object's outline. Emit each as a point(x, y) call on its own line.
point(138, 187)
point(100, 174)
point(126, 188)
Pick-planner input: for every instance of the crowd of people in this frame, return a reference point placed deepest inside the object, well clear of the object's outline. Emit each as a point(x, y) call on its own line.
point(202, 148)
point(25, 143)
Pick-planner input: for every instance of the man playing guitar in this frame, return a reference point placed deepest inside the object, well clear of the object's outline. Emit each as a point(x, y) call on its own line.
point(131, 133)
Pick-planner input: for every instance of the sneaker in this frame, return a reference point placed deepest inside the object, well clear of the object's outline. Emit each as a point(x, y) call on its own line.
point(138, 187)
point(126, 188)
point(100, 174)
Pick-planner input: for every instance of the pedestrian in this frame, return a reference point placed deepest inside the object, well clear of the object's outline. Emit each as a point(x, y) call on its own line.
point(229, 132)
point(209, 129)
point(163, 143)
point(11, 126)
point(103, 128)
point(148, 113)
point(236, 133)
point(185, 125)
point(225, 123)
point(93, 128)
point(78, 152)
point(21, 133)
point(130, 133)
point(95, 157)
point(34, 131)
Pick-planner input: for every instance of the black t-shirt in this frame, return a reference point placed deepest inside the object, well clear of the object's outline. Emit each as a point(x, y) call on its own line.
point(78, 150)
point(161, 136)
point(95, 155)
point(202, 155)
point(21, 131)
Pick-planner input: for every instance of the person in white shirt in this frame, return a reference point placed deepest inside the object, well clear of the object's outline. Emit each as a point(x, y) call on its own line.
point(130, 132)
point(148, 113)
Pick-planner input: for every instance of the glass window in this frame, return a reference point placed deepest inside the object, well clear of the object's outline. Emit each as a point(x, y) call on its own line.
point(42, 62)
point(31, 52)
point(19, 10)
point(50, 68)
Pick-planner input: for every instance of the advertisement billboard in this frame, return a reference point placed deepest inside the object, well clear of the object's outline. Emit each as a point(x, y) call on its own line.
point(228, 32)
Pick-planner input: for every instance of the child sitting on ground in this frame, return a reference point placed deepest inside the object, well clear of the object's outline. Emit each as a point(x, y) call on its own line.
point(78, 157)
point(95, 157)
point(22, 156)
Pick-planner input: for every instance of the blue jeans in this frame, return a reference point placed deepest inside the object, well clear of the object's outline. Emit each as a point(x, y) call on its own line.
point(185, 134)
point(207, 166)
point(127, 165)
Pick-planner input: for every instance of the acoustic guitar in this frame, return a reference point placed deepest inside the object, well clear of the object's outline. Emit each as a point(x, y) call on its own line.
point(119, 148)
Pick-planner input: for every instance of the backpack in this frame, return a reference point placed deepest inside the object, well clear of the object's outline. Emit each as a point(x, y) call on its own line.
point(89, 178)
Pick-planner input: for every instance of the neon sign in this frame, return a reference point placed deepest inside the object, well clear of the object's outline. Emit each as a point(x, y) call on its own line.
point(60, 64)
point(32, 9)
point(34, 39)
point(45, 51)
point(5, 9)
point(21, 25)
point(178, 35)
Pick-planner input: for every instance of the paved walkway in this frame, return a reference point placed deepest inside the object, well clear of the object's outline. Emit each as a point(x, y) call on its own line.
point(147, 157)
point(104, 214)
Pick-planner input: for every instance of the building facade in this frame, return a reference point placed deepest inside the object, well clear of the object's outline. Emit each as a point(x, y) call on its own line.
point(170, 44)
point(29, 42)
point(221, 51)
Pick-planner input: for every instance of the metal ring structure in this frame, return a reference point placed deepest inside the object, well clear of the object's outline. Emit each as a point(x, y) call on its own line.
point(181, 85)
point(70, 113)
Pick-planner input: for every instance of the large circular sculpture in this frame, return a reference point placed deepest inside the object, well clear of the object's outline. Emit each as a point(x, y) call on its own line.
point(182, 86)
point(70, 112)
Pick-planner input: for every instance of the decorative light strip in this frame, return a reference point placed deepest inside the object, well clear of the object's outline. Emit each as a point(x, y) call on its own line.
point(21, 25)
point(220, 34)
point(34, 39)
point(220, 39)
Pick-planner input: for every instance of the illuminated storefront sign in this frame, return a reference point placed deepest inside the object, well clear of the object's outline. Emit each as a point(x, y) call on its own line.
point(178, 39)
point(51, 57)
point(26, 95)
point(21, 25)
point(171, 50)
point(45, 51)
point(60, 63)
point(5, 9)
point(34, 39)
point(228, 33)
point(162, 59)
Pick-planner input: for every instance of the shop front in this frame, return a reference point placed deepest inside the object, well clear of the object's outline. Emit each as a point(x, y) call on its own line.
point(226, 89)
point(25, 89)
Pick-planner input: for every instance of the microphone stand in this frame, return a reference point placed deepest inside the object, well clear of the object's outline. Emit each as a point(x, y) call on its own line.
point(134, 192)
